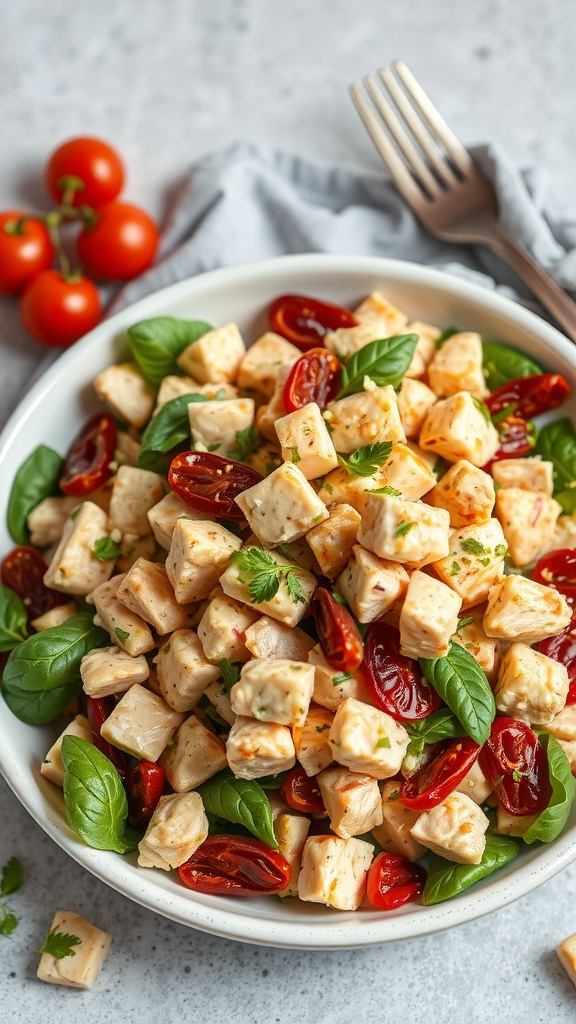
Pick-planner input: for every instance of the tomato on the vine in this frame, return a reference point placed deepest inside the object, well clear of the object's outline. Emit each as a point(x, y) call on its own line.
point(120, 242)
point(395, 681)
point(209, 483)
point(394, 880)
point(305, 321)
point(315, 377)
point(450, 763)
point(515, 762)
point(23, 571)
point(302, 792)
point(85, 171)
point(235, 866)
point(57, 311)
point(87, 464)
point(25, 250)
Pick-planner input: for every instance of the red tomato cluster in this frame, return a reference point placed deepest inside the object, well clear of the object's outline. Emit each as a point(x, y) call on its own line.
point(116, 241)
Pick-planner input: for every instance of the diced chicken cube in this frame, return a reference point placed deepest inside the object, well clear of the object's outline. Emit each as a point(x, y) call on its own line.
point(267, 638)
point(467, 492)
point(569, 748)
point(218, 695)
point(455, 829)
point(183, 670)
point(365, 739)
point(406, 471)
point(475, 562)
point(305, 440)
point(414, 400)
point(274, 690)
point(175, 831)
point(82, 969)
point(364, 418)
point(513, 824)
point(311, 741)
point(260, 366)
point(199, 554)
point(484, 649)
point(332, 541)
point(127, 449)
point(475, 785)
point(147, 591)
point(457, 366)
point(520, 609)
point(352, 800)
point(425, 348)
point(282, 606)
point(192, 756)
point(377, 318)
point(563, 725)
point(256, 749)
point(457, 429)
point(55, 616)
point(164, 516)
point(141, 724)
point(332, 687)
point(394, 834)
point(265, 459)
point(214, 357)
point(222, 629)
point(47, 520)
point(404, 531)
point(342, 488)
point(377, 307)
point(429, 617)
point(531, 686)
point(268, 414)
point(532, 474)
point(566, 953)
point(127, 630)
point(176, 387)
point(126, 392)
point(108, 670)
point(74, 568)
point(564, 534)
point(52, 766)
point(291, 832)
point(283, 507)
point(371, 585)
point(135, 491)
point(528, 520)
point(214, 425)
point(334, 871)
point(135, 548)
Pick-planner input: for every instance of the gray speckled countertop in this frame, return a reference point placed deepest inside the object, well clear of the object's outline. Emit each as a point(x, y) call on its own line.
point(167, 81)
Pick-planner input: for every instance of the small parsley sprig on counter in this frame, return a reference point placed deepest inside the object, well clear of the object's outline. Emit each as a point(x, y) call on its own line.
point(10, 881)
point(59, 945)
point(8, 920)
point(367, 460)
point(266, 575)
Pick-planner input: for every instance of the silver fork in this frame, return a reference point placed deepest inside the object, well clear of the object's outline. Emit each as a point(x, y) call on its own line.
point(440, 181)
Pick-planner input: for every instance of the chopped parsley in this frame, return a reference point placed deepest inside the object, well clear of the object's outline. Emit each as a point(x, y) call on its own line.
point(454, 569)
point(466, 621)
point(247, 441)
point(384, 742)
point(106, 549)
point(230, 673)
point(266, 575)
point(517, 775)
point(501, 551)
point(386, 490)
point(59, 945)
point(295, 454)
point(328, 487)
point(403, 528)
point(341, 677)
point(366, 460)
point(472, 546)
point(482, 408)
point(121, 635)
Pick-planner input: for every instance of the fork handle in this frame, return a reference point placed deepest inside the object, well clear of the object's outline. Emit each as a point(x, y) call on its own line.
point(556, 301)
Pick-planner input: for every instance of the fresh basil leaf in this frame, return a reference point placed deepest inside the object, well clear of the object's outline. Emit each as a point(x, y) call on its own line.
point(440, 725)
point(106, 549)
point(463, 686)
point(13, 620)
point(384, 361)
point(367, 460)
point(552, 819)
point(156, 344)
point(36, 479)
point(95, 799)
point(241, 801)
point(42, 674)
point(503, 364)
point(273, 782)
point(167, 429)
point(449, 332)
point(247, 441)
point(556, 443)
point(446, 879)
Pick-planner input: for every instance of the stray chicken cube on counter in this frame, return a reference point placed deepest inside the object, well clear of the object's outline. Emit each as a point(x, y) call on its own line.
point(127, 630)
point(404, 531)
point(365, 739)
point(199, 554)
point(305, 441)
point(267, 638)
point(82, 969)
point(176, 829)
point(531, 686)
point(256, 749)
point(214, 425)
point(331, 687)
point(529, 474)
point(291, 832)
point(108, 670)
point(126, 392)
point(334, 871)
point(523, 610)
point(528, 520)
point(475, 562)
point(222, 628)
point(352, 800)
point(147, 591)
point(414, 399)
point(164, 516)
point(215, 357)
point(467, 492)
point(134, 493)
point(332, 541)
point(141, 724)
point(259, 369)
point(364, 418)
point(52, 766)
point(455, 829)
point(457, 366)
point(274, 690)
point(47, 520)
point(394, 834)
point(428, 617)
point(566, 952)
point(74, 568)
point(371, 585)
point(283, 507)
point(457, 428)
point(192, 756)
point(311, 740)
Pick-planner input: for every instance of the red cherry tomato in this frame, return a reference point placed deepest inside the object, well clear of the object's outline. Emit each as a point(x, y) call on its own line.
point(97, 711)
point(562, 648)
point(97, 168)
point(25, 250)
point(515, 762)
point(517, 438)
point(430, 785)
point(210, 483)
point(23, 571)
point(87, 464)
point(301, 792)
point(56, 311)
point(394, 880)
point(144, 786)
point(305, 321)
point(315, 377)
point(395, 682)
point(558, 570)
point(234, 866)
point(530, 396)
point(338, 634)
point(120, 244)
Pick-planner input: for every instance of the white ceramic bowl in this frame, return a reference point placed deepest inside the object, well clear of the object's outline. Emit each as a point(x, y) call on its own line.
point(53, 411)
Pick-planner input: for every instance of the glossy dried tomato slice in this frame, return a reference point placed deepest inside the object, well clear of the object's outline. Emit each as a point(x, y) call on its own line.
point(394, 880)
point(395, 682)
point(97, 711)
point(144, 786)
point(235, 866)
point(430, 785)
point(305, 321)
point(23, 571)
point(558, 570)
point(302, 792)
point(315, 377)
point(210, 483)
point(338, 634)
point(530, 396)
point(517, 438)
point(562, 648)
point(515, 762)
point(87, 465)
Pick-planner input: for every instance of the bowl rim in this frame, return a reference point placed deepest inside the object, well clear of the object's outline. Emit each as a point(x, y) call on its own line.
point(346, 930)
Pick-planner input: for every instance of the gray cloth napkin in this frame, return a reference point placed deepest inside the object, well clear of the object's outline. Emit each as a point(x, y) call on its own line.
point(250, 202)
